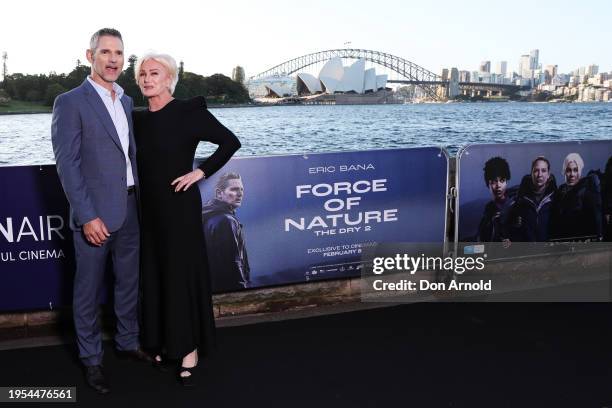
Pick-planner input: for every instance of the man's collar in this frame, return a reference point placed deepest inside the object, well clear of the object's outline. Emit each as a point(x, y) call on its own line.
point(103, 91)
point(223, 204)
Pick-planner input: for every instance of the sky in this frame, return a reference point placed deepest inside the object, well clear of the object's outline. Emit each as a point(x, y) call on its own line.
point(214, 37)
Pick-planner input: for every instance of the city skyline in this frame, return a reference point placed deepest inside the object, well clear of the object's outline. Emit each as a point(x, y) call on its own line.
point(530, 62)
point(216, 38)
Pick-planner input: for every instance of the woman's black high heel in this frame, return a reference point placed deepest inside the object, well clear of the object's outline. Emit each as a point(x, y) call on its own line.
point(187, 381)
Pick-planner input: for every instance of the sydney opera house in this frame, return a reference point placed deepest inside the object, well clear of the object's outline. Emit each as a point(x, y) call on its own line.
point(334, 78)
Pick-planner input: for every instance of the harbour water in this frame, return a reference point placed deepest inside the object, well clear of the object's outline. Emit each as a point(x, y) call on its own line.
point(26, 139)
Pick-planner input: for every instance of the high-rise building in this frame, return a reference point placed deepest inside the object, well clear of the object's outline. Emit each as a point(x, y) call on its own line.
point(581, 71)
point(444, 74)
point(525, 66)
point(592, 70)
point(453, 83)
point(551, 69)
point(549, 73)
point(501, 68)
point(534, 57)
point(464, 76)
point(485, 66)
point(560, 80)
point(539, 77)
point(475, 76)
point(238, 74)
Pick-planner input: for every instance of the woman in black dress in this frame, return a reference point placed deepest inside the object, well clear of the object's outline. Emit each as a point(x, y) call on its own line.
point(177, 315)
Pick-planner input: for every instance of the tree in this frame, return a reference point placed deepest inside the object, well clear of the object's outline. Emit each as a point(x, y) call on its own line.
point(221, 88)
point(76, 76)
point(127, 81)
point(33, 95)
point(132, 62)
point(181, 91)
point(18, 86)
point(192, 85)
point(4, 98)
point(52, 92)
point(216, 88)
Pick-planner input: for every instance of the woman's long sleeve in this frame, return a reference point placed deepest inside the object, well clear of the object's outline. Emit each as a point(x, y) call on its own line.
point(211, 130)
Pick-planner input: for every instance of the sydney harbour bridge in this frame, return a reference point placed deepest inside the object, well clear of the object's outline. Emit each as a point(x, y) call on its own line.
point(409, 72)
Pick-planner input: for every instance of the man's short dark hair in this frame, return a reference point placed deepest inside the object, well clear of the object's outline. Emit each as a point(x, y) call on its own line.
point(223, 181)
point(540, 158)
point(95, 38)
point(494, 168)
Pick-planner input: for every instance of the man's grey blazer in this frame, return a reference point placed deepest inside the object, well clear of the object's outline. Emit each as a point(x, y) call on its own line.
point(89, 158)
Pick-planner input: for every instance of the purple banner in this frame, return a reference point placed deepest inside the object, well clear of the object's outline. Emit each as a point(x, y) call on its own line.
point(36, 251)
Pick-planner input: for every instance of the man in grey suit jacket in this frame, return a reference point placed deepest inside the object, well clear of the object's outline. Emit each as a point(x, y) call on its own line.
point(93, 142)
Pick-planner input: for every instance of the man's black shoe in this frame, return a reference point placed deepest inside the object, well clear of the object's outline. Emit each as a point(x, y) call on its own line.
point(135, 355)
point(161, 365)
point(96, 379)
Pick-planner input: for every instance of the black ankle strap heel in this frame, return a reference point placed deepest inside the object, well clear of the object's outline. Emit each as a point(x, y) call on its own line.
point(188, 381)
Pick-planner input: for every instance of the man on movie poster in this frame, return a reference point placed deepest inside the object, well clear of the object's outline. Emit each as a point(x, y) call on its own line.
point(225, 243)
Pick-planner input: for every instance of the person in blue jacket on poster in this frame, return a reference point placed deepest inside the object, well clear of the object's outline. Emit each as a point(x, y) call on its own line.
point(529, 218)
point(225, 236)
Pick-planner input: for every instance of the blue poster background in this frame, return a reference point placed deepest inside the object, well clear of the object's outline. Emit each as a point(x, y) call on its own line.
point(474, 194)
point(416, 187)
point(26, 282)
point(36, 249)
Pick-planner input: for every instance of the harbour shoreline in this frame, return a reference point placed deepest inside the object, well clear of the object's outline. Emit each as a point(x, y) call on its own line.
point(259, 105)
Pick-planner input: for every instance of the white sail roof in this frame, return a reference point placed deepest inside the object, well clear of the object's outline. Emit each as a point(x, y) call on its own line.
point(353, 78)
point(331, 74)
point(278, 89)
point(310, 82)
point(369, 83)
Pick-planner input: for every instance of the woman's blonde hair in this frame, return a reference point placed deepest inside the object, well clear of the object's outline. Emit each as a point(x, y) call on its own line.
point(166, 60)
point(573, 157)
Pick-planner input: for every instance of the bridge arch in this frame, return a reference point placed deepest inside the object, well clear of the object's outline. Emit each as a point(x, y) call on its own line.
point(407, 69)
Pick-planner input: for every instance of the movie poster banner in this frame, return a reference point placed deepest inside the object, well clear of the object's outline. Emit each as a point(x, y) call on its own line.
point(551, 193)
point(267, 220)
point(288, 219)
point(36, 250)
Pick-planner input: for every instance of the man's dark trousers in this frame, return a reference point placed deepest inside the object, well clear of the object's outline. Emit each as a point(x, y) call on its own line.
point(123, 247)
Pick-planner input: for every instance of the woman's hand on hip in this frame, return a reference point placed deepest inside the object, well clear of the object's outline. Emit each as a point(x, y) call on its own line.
point(184, 182)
